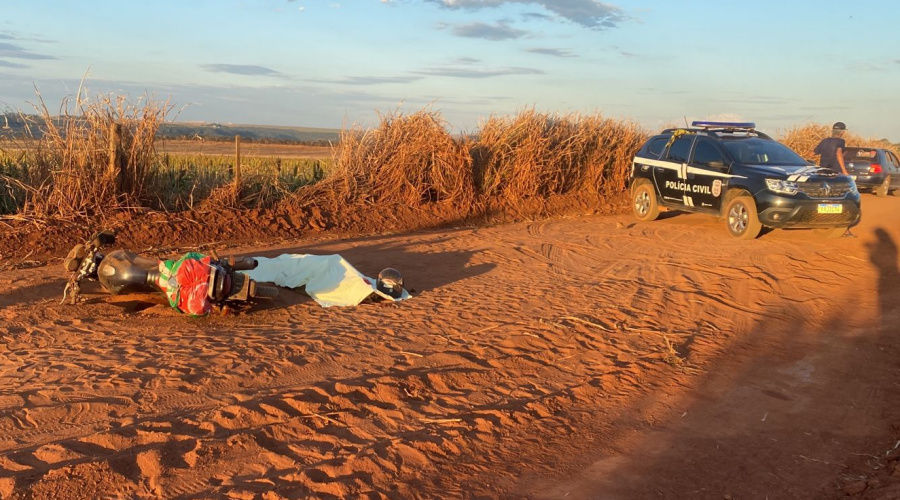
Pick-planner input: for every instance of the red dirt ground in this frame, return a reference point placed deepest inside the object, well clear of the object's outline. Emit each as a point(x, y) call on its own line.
point(587, 356)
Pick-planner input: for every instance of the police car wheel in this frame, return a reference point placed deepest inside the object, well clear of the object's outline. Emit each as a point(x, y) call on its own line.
point(741, 218)
point(644, 201)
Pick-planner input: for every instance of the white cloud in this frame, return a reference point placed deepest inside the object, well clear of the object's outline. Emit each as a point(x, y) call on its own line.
point(499, 31)
point(588, 13)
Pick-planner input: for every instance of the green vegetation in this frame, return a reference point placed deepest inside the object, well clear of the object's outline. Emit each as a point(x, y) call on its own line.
point(12, 192)
point(175, 182)
point(183, 181)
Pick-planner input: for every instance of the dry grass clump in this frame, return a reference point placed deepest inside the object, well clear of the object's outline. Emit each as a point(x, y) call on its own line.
point(413, 160)
point(254, 191)
point(613, 146)
point(101, 158)
point(90, 160)
point(536, 154)
point(803, 139)
point(405, 160)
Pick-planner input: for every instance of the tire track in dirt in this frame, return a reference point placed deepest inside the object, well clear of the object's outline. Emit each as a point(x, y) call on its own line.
point(540, 327)
point(577, 259)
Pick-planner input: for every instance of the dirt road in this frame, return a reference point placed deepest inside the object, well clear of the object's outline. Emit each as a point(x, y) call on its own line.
point(590, 358)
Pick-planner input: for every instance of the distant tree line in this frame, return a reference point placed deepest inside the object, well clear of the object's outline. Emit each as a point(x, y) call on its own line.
point(19, 126)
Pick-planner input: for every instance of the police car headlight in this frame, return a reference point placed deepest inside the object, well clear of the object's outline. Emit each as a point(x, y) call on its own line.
point(782, 186)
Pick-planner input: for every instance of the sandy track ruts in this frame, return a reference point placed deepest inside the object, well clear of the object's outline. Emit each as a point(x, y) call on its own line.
point(519, 337)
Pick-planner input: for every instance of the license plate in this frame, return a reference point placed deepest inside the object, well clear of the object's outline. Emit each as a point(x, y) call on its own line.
point(831, 208)
point(853, 177)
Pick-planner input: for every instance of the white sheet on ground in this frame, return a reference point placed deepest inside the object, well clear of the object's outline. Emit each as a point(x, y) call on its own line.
point(329, 279)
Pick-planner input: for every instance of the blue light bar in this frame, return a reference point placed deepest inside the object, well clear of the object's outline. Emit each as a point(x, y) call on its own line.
point(732, 125)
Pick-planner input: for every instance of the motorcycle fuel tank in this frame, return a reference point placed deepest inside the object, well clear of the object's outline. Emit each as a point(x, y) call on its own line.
point(122, 271)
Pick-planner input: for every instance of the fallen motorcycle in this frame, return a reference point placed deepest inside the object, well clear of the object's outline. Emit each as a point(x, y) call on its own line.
point(193, 283)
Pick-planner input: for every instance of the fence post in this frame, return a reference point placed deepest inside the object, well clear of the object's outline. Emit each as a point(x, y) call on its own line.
point(114, 169)
point(237, 162)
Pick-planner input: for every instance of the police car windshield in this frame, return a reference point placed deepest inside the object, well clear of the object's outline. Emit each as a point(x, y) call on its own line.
point(756, 151)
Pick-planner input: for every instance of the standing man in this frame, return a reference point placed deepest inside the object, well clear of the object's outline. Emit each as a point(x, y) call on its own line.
point(831, 153)
point(831, 149)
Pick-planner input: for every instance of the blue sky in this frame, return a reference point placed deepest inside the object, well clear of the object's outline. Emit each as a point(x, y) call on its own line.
point(337, 63)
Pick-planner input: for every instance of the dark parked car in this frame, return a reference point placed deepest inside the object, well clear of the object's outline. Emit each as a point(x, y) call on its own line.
point(874, 169)
point(733, 171)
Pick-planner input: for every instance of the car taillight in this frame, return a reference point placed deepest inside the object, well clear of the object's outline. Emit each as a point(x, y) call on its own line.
point(874, 168)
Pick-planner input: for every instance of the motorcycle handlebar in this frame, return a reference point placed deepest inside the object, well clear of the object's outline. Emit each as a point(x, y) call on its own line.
point(243, 263)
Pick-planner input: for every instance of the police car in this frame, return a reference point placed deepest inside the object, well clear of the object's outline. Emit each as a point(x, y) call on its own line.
point(733, 171)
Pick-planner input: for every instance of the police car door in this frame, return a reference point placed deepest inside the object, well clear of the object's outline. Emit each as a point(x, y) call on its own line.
point(669, 175)
point(706, 174)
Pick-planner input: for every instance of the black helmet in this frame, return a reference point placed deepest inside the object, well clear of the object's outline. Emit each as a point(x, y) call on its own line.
point(839, 126)
point(390, 282)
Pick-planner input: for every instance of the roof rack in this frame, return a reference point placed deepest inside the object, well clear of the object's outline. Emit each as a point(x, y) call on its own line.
point(724, 125)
